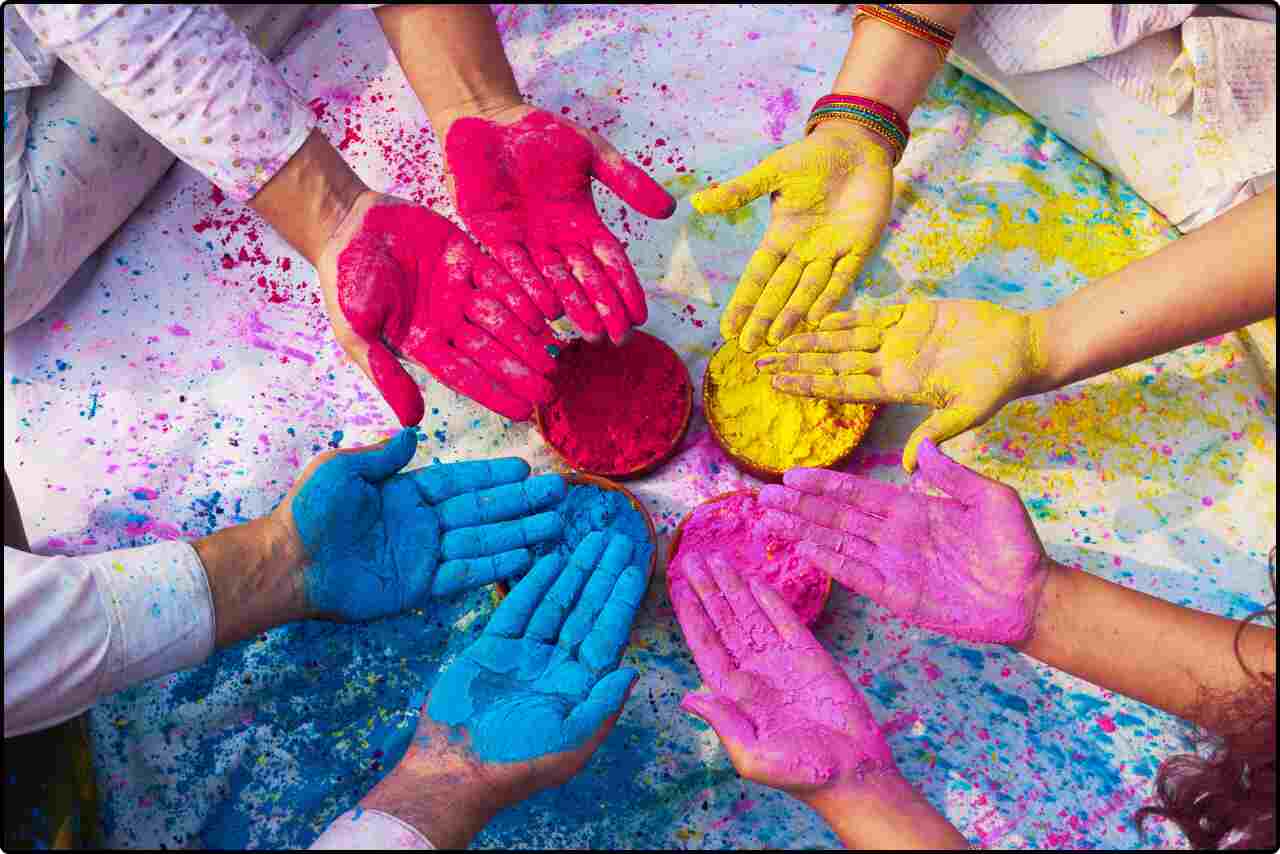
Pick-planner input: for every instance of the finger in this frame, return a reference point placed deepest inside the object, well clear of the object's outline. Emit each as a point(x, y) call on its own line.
point(547, 620)
point(882, 317)
point(775, 296)
point(494, 282)
point(745, 296)
point(464, 376)
point(723, 715)
point(824, 511)
point(572, 297)
point(500, 503)
point(938, 427)
point(605, 700)
point(857, 575)
point(631, 183)
point(504, 327)
point(503, 367)
point(441, 482)
point(513, 613)
point(812, 282)
point(717, 609)
point(816, 363)
point(596, 594)
point(709, 653)
point(617, 267)
point(393, 382)
point(847, 388)
point(604, 298)
point(379, 463)
point(783, 617)
point(515, 259)
point(861, 338)
point(838, 286)
point(455, 576)
point(603, 646)
point(733, 194)
point(960, 482)
point(754, 626)
point(865, 493)
point(500, 537)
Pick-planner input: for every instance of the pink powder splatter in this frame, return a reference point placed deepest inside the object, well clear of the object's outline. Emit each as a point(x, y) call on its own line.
point(1207, 501)
point(779, 107)
point(179, 330)
point(1106, 723)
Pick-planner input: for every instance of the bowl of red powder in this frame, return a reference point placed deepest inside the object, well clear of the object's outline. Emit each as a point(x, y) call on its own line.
point(582, 512)
point(752, 539)
point(619, 412)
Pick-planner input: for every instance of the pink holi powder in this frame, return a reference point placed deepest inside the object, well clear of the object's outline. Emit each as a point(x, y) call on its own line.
point(1106, 723)
point(1207, 501)
point(179, 330)
point(744, 534)
point(779, 108)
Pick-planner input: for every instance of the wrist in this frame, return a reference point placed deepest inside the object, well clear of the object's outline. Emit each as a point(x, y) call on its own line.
point(448, 808)
point(255, 578)
point(1045, 348)
point(850, 132)
point(1053, 600)
point(884, 811)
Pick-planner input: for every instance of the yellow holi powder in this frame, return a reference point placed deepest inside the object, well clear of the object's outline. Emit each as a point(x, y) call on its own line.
point(772, 430)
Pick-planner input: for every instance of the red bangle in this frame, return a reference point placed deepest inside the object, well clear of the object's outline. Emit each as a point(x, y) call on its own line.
point(883, 110)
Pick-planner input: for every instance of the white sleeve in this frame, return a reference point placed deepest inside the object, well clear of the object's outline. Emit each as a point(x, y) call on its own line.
point(190, 77)
point(79, 628)
point(367, 830)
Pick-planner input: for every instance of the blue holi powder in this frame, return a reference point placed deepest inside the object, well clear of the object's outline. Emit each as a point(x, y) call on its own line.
point(1004, 700)
point(553, 351)
point(589, 508)
point(971, 657)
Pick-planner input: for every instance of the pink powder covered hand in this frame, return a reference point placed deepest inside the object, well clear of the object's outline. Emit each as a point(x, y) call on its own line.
point(522, 181)
point(402, 281)
point(788, 716)
point(968, 564)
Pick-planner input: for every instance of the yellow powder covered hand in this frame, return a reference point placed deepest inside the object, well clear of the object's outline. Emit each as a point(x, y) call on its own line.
point(964, 358)
point(831, 195)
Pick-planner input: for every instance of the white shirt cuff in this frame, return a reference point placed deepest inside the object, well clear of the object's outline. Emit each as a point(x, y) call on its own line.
point(362, 829)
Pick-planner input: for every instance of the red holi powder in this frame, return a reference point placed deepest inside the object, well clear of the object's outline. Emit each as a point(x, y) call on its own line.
point(617, 409)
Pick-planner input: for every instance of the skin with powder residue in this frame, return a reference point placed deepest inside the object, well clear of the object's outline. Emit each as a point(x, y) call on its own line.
point(774, 430)
point(380, 543)
point(964, 358)
point(831, 194)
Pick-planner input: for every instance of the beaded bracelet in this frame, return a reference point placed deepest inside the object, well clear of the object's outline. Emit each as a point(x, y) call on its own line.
point(876, 117)
point(909, 22)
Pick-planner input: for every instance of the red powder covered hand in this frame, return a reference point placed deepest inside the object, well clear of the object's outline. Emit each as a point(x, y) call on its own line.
point(402, 281)
point(523, 187)
point(968, 564)
point(788, 716)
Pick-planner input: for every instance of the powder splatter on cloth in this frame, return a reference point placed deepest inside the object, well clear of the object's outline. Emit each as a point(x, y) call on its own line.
point(617, 409)
point(773, 430)
point(751, 538)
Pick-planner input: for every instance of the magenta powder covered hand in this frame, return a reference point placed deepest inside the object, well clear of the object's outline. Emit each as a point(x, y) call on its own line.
point(522, 181)
point(968, 564)
point(402, 281)
point(788, 716)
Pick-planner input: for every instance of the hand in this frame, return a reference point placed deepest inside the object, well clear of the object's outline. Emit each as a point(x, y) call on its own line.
point(831, 196)
point(400, 280)
point(786, 713)
point(964, 358)
point(379, 543)
point(522, 181)
point(969, 565)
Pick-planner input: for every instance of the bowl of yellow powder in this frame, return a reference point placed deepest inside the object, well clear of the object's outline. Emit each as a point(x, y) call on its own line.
point(766, 432)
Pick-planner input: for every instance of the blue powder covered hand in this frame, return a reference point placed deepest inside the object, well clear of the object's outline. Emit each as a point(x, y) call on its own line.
point(544, 679)
point(380, 542)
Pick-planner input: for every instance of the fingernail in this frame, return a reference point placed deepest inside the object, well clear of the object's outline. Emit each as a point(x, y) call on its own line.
point(765, 361)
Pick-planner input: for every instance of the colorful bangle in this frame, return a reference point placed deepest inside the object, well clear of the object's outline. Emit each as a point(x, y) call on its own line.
point(876, 117)
point(909, 22)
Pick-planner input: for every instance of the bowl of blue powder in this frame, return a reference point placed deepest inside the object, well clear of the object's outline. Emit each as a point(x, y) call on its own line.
point(597, 504)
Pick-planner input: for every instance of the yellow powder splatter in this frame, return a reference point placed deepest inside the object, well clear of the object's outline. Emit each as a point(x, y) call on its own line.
point(772, 430)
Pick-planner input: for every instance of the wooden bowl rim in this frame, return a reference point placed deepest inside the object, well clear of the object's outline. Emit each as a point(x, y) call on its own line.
point(645, 468)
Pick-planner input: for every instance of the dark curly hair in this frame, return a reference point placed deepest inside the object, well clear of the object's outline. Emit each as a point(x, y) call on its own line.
point(1229, 799)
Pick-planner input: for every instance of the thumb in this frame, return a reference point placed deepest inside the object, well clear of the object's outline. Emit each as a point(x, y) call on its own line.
point(390, 378)
point(632, 184)
point(941, 472)
point(938, 427)
point(722, 715)
point(381, 462)
point(731, 195)
point(604, 701)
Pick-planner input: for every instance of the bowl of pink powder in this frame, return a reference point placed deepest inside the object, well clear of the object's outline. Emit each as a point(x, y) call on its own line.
point(752, 539)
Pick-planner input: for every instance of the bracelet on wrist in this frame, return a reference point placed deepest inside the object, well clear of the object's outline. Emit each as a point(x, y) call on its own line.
point(876, 117)
point(911, 23)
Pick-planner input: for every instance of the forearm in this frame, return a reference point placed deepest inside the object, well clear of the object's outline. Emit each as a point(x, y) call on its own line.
point(884, 812)
point(453, 58)
point(1167, 656)
point(441, 806)
point(891, 66)
point(1219, 278)
point(255, 578)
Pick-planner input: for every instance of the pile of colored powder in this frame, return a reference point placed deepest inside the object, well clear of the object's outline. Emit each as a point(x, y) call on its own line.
point(617, 409)
point(751, 539)
point(588, 508)
point(773, 430)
